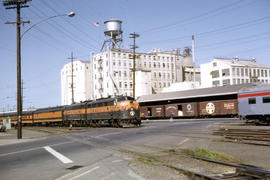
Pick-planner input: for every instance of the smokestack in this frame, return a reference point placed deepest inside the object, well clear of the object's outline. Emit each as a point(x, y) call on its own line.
point(193, 55)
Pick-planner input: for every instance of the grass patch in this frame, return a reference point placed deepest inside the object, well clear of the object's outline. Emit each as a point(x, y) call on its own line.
point(147, 161)
point(210, 154)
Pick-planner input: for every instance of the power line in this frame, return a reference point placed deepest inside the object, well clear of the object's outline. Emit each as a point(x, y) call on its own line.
point(78, 29)
point(219, 30)
point(66, 32)
point(192, 18)
point(245, 39)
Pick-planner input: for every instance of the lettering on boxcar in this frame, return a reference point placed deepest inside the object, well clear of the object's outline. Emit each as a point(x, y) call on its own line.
point(228, 105)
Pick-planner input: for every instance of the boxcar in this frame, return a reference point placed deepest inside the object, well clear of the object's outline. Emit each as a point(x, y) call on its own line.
point(219, 108)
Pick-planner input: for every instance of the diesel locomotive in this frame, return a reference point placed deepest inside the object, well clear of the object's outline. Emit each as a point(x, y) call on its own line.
point(116, 112)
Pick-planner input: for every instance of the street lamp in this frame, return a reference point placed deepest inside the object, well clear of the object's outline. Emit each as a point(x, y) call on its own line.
point(19, 38)
point(71, 14)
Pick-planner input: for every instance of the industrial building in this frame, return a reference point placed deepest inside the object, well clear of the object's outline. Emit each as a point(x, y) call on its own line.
point(222, 71)
point(79, 79)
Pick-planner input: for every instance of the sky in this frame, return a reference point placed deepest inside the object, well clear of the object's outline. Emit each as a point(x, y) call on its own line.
point(231, 28)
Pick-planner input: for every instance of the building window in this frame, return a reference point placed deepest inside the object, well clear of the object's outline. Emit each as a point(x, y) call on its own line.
point(246, 72)
point(234, 81)
point(233, 71)
point(258, 72)
point(225, 72)
point(262, 73)
point(226, 82)
point(266, 75)
point(120, 84)
point(242, 72)
point(149, 64)
point(214, 64)
point(266, 99)
point(164, 65)
point(251, 100)
point(215, 74)
point(237, 72)
point(125, 74)
point(215, 83)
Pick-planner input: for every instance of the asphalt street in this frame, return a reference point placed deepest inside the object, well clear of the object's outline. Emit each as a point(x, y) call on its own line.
point(93, 153)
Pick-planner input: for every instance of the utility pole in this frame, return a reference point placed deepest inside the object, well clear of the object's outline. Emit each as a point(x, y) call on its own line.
point(18, 4)
point(134, 36)
point(72, 84)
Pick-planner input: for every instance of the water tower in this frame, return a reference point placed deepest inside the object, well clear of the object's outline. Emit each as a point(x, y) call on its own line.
point(113, 34)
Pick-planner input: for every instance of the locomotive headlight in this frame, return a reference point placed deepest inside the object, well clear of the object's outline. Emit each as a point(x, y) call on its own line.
point(132, 113)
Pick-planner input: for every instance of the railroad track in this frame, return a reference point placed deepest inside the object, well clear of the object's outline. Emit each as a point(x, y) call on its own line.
point(247, 136)
point(242, 171)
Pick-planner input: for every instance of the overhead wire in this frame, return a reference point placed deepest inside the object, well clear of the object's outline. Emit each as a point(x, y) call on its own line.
point(64, 31)
point(72, 25)
point(213, 11)
point(219, 30)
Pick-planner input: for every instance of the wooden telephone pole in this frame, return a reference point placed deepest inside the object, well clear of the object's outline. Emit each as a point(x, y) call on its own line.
point(134, 36)
point(18, 4)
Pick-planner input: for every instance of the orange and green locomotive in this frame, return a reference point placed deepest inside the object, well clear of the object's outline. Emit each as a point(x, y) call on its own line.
point(117, 112)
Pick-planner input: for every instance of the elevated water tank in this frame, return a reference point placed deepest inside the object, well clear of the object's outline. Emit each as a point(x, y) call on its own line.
point(113, 28)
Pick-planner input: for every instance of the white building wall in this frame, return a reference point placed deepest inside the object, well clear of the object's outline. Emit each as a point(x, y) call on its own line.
point(220, 72)
point(206, 78)
point(81, 82)
point(143, 83)
point(162, 67)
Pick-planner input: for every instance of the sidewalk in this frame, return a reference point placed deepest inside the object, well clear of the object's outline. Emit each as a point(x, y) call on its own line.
point(10, 136)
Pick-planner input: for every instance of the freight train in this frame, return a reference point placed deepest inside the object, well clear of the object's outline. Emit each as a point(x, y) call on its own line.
point(247, 101)
point(217, 108)
point(116, 112)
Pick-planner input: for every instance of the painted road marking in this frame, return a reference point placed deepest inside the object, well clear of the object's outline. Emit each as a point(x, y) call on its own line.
point(86, 172)
point(116, 161)
point(59, 156)
point(182, 142)
point(209, 126)
point(108, 134)
point(32, 149)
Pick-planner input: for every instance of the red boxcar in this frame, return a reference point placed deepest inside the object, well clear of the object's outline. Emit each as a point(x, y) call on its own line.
point(152, 111)
point(214, 108)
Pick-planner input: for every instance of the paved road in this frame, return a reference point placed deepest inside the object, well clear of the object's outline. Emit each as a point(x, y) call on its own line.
point(92, 154)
